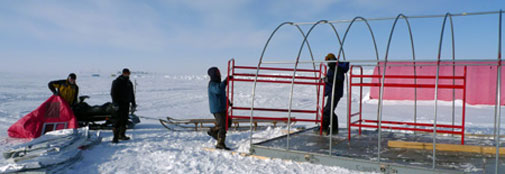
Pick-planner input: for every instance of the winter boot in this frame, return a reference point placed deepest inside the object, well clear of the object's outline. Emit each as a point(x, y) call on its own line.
point(325, 132)
point(212, 133)
point(115, 133)
point(220, 143)
point(122, 135)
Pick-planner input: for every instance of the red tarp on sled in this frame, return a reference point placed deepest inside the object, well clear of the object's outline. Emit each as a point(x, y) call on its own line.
point(53, 114)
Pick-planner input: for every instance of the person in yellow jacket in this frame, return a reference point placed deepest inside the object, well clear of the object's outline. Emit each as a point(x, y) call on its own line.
point(67, 89)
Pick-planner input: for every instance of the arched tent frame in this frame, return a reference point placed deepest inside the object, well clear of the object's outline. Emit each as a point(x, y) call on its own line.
point(448, 15)
point(384, 74)
point(341, 51)
point(385, 61)
point(305, 40)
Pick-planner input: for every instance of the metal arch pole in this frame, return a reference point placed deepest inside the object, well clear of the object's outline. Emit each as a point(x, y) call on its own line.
point(415, 72)
point(256, 78)
point(341, 51)
point(381, 96)
point(258, 69)
point(413, 57)
point(293, 79)
point(338, 37)
point(499, 63)
point(315, 75)
point(379, 112)
point(435, 121)
point(308, 47)
point(333, 104)
point(436, 89)
point(498, 96)
point(376, 55)
point(412, 17)
point(311, 55)
point(453, 73)
point(347, 81)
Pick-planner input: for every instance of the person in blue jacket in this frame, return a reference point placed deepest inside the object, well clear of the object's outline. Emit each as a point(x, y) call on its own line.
point(217, 103)
point(343, 67)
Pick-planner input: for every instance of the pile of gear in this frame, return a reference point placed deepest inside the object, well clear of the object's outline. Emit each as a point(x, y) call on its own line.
point(100, 116)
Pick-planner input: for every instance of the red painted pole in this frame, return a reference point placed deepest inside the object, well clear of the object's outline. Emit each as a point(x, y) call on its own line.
point(349, 105)
point(360, 101)
point(464, 109)
point(232, 87)
point(318, 90)
point(275, 69)
point(227, 94)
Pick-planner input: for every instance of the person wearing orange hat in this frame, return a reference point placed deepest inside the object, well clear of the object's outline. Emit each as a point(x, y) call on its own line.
point(342, 68)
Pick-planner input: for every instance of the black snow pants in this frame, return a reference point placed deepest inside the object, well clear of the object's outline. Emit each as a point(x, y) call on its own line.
point(220, 128)
point(327, 112)
point(121, 119)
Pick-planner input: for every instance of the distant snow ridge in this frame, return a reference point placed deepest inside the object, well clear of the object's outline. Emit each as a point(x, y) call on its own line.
point(186, 77)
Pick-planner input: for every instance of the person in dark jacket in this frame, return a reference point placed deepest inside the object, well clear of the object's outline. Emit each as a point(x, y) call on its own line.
point(122, 95)
point(217, 103)
point(67, 89)
point(343, 67)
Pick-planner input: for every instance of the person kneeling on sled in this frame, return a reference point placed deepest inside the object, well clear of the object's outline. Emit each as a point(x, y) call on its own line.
point(342, 68)
point(122, 95)
point(66, 89)
point(217, 103)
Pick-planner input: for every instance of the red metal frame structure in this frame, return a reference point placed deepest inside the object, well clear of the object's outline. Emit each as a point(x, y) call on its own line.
point(402, 125)
point(274, 79)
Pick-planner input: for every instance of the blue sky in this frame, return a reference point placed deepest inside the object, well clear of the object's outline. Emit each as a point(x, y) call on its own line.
point(187, 37)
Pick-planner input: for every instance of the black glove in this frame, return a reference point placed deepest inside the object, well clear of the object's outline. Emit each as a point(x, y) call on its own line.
point(230, 77)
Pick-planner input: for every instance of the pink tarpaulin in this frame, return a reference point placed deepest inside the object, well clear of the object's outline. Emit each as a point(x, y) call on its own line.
point(53, 114)
point(480, 82)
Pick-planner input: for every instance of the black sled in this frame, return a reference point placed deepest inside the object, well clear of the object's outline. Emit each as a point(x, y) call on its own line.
point(100, 116)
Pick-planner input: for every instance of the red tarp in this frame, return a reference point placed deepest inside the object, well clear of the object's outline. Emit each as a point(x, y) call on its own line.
point(54, 110)
point(480, 83)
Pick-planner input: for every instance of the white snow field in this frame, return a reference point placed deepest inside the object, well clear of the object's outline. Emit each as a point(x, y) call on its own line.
point(154, 149)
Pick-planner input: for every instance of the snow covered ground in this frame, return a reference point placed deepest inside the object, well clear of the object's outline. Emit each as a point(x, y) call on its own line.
point(154, 149)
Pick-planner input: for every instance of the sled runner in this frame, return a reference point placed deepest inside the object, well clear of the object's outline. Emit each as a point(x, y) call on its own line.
point(205, 124)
